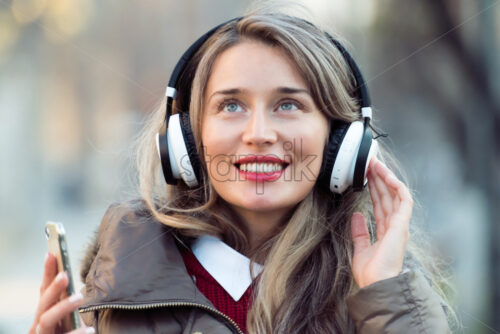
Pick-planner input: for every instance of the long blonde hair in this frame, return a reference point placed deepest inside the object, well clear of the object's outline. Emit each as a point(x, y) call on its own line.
point(307, 261)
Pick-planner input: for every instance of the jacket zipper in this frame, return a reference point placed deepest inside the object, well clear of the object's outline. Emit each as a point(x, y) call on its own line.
point(154, 305)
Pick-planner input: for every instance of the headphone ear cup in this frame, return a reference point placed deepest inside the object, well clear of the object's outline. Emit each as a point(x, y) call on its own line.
point(163, 153)
point(368, 148)
point(194, 160)
point(338, 131)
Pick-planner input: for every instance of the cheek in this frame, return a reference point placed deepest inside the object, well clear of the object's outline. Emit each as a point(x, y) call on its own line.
point(218, 155)
point(210, 140)
point(309, 149)
point(217, 135)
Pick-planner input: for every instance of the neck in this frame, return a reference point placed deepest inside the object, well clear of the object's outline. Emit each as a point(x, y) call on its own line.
point(261, 225)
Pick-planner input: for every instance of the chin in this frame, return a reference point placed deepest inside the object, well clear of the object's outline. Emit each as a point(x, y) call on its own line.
point(263, 204)
point(271, 198)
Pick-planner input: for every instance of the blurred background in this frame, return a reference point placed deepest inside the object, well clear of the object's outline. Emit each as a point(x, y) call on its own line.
point(78, 78)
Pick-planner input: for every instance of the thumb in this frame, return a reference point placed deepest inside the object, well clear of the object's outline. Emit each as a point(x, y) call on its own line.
point(359, 232)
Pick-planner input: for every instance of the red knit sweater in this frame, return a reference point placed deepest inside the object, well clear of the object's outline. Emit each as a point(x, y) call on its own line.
point(237, 311)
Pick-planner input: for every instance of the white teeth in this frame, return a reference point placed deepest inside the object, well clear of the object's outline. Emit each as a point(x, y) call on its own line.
point(261, 167)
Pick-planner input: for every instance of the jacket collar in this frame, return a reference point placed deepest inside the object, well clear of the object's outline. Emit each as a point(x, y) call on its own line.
point(135, 261)
point(228, 267)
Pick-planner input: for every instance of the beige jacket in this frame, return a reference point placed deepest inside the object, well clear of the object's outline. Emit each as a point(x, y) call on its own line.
point(136, 282)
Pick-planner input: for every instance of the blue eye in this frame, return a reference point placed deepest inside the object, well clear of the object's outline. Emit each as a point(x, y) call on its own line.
point(231, 107)
point(287, 106)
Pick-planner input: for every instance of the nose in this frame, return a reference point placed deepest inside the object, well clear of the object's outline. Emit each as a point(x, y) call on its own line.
point(259, 129)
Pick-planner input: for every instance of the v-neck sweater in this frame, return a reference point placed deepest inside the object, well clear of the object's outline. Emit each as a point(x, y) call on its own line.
point(208, 286)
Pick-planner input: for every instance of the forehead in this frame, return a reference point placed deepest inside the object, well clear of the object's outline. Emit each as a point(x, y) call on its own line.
point(254, 65)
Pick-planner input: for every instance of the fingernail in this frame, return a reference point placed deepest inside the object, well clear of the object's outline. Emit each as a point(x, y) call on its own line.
point(89, 330)
point(392, 179)
point(60, 276)
point(358, 216)
point(46, 257)
point(75, 298)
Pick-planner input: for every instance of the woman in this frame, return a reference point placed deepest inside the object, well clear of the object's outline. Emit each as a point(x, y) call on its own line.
point(258, 234)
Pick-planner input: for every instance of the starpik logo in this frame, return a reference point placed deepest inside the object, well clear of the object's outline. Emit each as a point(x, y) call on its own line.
point(224, 168)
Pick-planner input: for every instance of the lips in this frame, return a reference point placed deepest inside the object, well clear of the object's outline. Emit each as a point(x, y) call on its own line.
point(260, 159)
point(261, 168)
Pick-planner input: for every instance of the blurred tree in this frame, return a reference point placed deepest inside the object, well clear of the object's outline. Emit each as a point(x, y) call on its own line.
point(452, 50)
point(479, 124)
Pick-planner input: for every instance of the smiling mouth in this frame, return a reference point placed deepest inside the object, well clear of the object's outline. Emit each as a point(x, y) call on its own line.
point(259, 167)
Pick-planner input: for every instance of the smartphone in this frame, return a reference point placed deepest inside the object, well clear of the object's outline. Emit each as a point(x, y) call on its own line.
point(58, 246)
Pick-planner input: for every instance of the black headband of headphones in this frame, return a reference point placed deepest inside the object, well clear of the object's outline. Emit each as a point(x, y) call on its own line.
point(171, 93)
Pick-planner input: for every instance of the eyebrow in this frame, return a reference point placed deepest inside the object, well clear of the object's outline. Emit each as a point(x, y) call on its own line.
point(281, 90)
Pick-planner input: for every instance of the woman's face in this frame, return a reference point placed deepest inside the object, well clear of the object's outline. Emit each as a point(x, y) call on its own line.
point(257, 104)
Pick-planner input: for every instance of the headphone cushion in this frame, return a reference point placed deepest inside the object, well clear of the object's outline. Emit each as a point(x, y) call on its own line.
point(187, 133)
point(338, 132)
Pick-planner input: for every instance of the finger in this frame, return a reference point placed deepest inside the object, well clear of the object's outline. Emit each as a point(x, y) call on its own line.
point(402, 194)
point(52, 294)
point(49, 272)
point(83, 330)
point(393, 184)
point(86, 330)
point(377, 209)
point(385, 196)
point(50, 318)
point(390, 179)
point(406, 204)
point(402, 200)
point(400, 220)
point(359, 233)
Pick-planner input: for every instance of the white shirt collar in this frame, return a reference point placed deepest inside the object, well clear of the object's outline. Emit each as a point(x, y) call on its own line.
point(228, 267)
